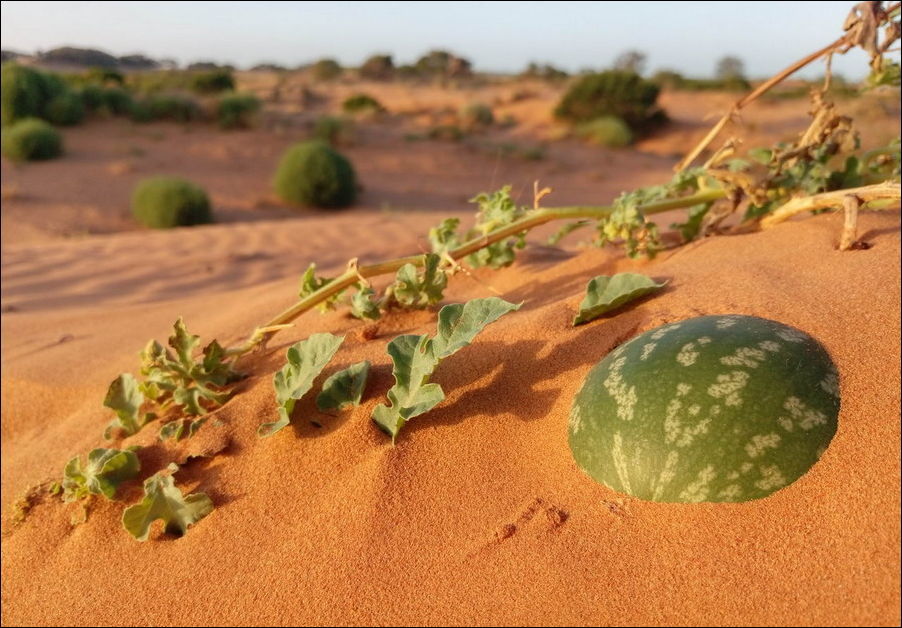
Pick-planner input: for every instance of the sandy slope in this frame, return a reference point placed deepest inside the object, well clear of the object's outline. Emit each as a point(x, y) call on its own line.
point(478, 514)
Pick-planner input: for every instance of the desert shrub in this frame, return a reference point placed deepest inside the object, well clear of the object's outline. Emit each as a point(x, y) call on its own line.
point(103, 76)
point(447, 132)
point(172, 107)
point(378, 68)
point(66, 109)
point(544, 72)
point(31, 139)
point(613, 93)
point(334, 130)
point(314, 174)
point(22, 93)
point(326, 70)
point(477, 115)
point(236, 111)
point(213, 81)
point(609, 131)
point(117, 101)
point(165, 202)
point(362, 103)
point(91, 97)
point(52, 86)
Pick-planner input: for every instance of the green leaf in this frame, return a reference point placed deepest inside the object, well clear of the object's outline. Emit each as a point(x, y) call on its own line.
point(605, 294)
point(310, 283)
point(125, 398)
point(496, 210)
point(420, 288)
point(414, 359)
point(162, 500)
point(344, 388)
point(306, 359)
point(363, 305)
point(690, 229)
point(566, 230)
point(105, 470)
point(459, 323)
point(444, 237)
point(176, 430)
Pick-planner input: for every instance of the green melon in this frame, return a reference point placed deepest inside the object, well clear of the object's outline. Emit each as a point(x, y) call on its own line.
point(709, 409)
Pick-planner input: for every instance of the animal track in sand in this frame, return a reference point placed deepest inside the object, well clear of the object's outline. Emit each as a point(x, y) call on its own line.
point(539, 515)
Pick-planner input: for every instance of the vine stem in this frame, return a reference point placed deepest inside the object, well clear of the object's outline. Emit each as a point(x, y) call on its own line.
point(533, 219)
point(887, 191)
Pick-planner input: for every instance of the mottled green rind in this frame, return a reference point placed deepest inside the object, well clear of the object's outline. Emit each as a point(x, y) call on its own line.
point(720, 409)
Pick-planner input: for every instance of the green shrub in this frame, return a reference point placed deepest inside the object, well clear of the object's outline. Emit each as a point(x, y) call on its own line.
point(448, 132)
point(362, 103)
point(22, 93)
point(213, 82)
point(236, 111)
point(312, 173)
point(103, 76)
point(609, 131)
point(378, 68)
point(326, 70)
point(117, 101)
point(171, 107)
point(477, 115)
point(91, 97)
point(65, 110)
point(164, 202)
point(613, 93)
point(334, 130)
point(31, 139)
point(52, 86)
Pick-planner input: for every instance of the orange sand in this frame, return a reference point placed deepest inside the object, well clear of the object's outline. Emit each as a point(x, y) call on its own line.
point(478, 514)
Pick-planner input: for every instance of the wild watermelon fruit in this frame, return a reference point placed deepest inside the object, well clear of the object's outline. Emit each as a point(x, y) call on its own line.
point(714, 408)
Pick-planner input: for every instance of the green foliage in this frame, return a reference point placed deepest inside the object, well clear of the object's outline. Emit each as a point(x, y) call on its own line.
point(236, 111)
point(181, 428)
point(608, 131)
point(362, 103)
point(378, 68)
point(477, 115)
point(118, 101)
point(305, 360)
point(314, 174)
point(22, 94)
point(334, 130)
point(103, 76)
point(887, 73)
point(310, 283)
point(180, 379)
point(714, 408)
point(105, 470)
point(326, 70)
point(364, 305)
point(213, 82)
point(606, 294)
point(345, 388)
point(625, 95)
point(125, 398)
point(445, 132)
point(674, 80)
point(544, 72)
point(91, 97)
point(169, 107)
point(31, 140)
point(162, 500)
point(420, 287)
point(165, 202)
point(415, 358)
point(67, 109)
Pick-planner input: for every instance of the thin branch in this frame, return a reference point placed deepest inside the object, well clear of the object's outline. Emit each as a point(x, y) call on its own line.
point(880, 191)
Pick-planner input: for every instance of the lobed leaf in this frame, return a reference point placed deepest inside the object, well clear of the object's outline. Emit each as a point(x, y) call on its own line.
point(444, 237)
point(105, 470)
point(420, 288)
point(125, 398)
point(414, 359)
point(162, 500)
point(363, 305)
point(306, 359)
point(605, 294)
point(181, 428)
point(310, 283)
point(344, 388)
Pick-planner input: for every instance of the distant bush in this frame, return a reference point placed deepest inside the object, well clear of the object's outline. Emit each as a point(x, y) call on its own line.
point(31, 140)
point(613, 93)
point(326, 70)
point(22, 93)
point(378, 68)
point(117, 101)
point(443, 64)
point(334, 130)
point(236, 111)
point(362, 103)
point(66, 109)
point(104, 76)
point(477, 115)
point(91, 97)
point(170, 107)
point(312, 173)
point(544, 72)
point(213, 81)
point(447, 132)
point(165, 202)
point(609, 131)
point(669, 79)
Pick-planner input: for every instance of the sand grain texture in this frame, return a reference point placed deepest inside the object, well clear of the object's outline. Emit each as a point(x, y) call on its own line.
point(479, 514)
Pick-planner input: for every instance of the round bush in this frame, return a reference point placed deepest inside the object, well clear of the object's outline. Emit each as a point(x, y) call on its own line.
point(477, 115)
point(613, 93)
point(66, 109)
point(608, 131)
point(164, 202)
point(173, 107)
point(362, 103)
point(117, 101)
point(236, 111)
point(91, 97)
point(31, 140)
point(714, 408)
point(333, 129)
point(312, 173)
point(22, 93)
point(213, 81)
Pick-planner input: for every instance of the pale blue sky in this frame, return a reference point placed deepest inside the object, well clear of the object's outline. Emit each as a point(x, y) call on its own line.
point(496, 36)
